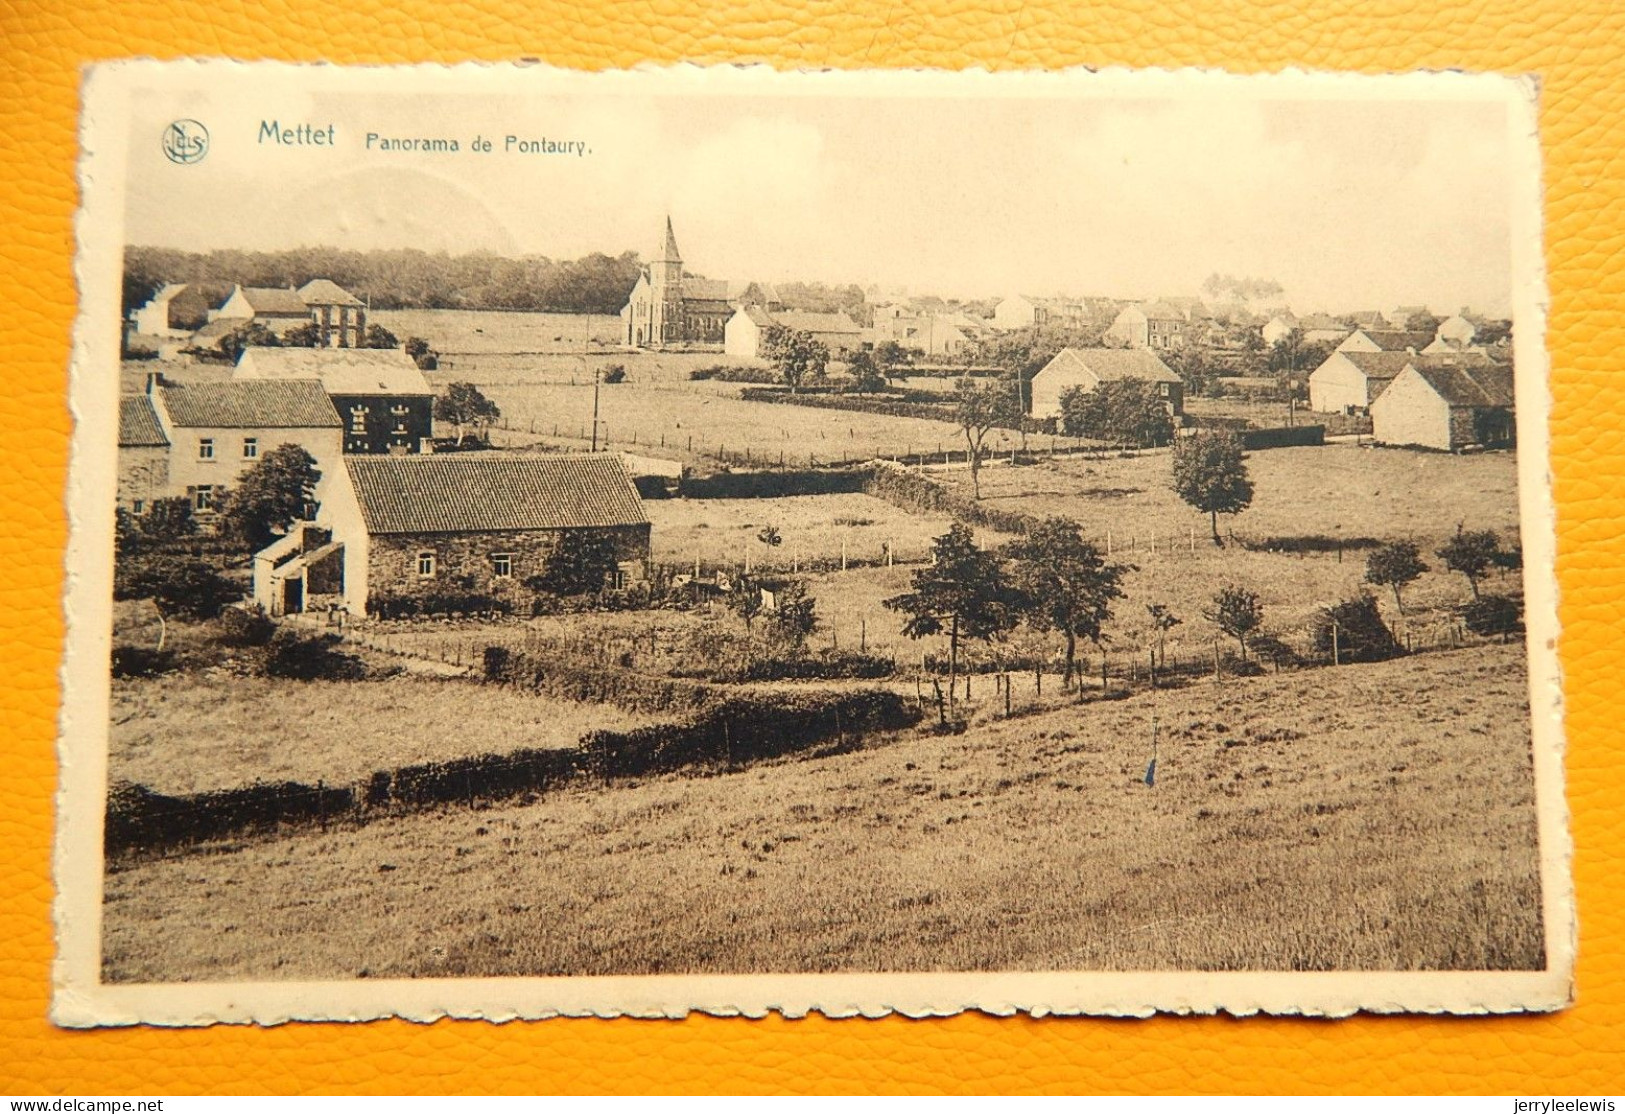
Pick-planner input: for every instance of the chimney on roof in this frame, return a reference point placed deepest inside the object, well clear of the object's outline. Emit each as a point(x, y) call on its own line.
point(155, 379)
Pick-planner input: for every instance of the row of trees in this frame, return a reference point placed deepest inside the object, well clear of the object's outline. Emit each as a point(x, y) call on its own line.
point(254, 334)
point(403, 278)
point(1051, 580)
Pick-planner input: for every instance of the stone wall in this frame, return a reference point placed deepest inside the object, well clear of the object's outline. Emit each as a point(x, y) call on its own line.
point(463, 564)
point(143, 476)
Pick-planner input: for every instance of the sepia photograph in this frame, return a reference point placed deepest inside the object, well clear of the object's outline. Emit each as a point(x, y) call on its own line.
point(727, 540)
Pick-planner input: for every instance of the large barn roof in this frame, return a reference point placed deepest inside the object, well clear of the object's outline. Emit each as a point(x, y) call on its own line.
point(485, 491)
point(1378, 365)
point(275, 300)
point(326, 292)
point(1113, 363)
point(250, 404)
point(343, 371)
point(1464, 386)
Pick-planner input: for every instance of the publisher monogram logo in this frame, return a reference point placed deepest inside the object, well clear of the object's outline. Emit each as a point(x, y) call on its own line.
point(186, 142)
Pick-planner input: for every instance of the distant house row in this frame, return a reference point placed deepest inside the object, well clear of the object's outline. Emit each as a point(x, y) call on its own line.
point(198, 314)
point(196, 440)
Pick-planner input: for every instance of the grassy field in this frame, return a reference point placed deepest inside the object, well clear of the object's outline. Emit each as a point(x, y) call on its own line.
point(1367, 818)
point(461, 332)
point(1337, 489)
point(189, 733)
point(811, 527)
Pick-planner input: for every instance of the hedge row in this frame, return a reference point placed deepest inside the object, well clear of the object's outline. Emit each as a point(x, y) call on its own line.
point(911, 404)
point(746, 729)
point(918, 492)
point(775, 484)
point(567, 679)
point(827, 666)
point(739, 730)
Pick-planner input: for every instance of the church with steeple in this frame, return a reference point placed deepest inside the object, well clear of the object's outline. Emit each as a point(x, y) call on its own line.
point(669, 309)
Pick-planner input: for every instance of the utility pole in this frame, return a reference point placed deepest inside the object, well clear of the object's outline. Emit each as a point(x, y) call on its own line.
point(594, 409)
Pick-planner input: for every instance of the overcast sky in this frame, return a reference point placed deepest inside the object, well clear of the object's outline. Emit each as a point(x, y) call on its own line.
point(1348, 204)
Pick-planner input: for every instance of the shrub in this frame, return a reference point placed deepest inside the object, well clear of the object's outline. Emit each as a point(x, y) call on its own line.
point(186, 587)
point(140, 661)
point(1493, 615)
point(1361, 635)
point(245, 626)
point(301, 658)
point(615, 373)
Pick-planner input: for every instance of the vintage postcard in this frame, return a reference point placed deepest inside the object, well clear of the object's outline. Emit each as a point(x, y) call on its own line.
point(722, 540)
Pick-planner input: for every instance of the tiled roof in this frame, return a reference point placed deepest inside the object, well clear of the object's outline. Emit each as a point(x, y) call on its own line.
point(1378, 365)
point(343, 371)
point(1114, 363)
point(1162, 311)
point(1397, 340)
point(326, 292)
point(705, 290)
point(1463, 386)
point(216, 329)
point(482, 491)
point(275, 300)
point(138, 425)
point(251, 404)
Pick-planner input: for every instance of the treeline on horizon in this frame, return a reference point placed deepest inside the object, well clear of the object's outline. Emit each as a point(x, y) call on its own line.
point(405, 278)
point(409, 278)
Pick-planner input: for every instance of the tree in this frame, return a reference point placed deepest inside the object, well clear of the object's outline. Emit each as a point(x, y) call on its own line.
point(744, 599)
point(169, 519)
point(614, 373)
point(185, 587)
point(463, 405)
point(863, 374)
point(582, 563)
point(415, 347)
point(963, 591)
point(1163, 620)
point(890, 354)
point(1395, 565)
point(1353, 630)
point(795, 614)
point(1210, 475)
point(978, 410)
point(800, 356)
point(1236, 612)
point(1471, 553)
point(377, 336)
point(308, 335)
point(279, 490)
point(1065, 584)
point(251, 335)
point(1492, 614)
point(1120, 411)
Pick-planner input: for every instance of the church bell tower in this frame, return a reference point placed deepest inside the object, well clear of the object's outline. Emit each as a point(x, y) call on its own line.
point(666, 280)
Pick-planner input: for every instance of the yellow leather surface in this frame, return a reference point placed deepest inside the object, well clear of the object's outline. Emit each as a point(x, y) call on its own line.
point(1576, 46)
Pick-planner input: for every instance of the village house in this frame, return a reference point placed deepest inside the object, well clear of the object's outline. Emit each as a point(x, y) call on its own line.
point(749, 325)
point(1349, 381)
point(216, 431)
point(1399, 317)
point(1156, 325)
point(385, 402)
point(1447, 406)
point(176, 311)
point(670, 309)
point(464, 524)
point(340, 317)
point(1087, 368)
point(935, 334)
point(143, 455)
point(277, 308)
point(1278, 328)
point(1021, 311)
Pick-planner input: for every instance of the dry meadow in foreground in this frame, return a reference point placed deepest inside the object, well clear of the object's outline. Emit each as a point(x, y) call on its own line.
point(1367, 818)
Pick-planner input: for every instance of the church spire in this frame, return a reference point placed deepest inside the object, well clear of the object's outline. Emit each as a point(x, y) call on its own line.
point(669, 253)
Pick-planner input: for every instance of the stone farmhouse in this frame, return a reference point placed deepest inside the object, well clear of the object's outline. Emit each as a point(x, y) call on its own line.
point(1349, 381)
point(1448, 407)
point(386, 404)
point(208, 434)
point(200, 314)
point(418, 527)
point(1087, 368)
point(177, 310)
point(749, 325)
point(1384, 340)
point(935, 334)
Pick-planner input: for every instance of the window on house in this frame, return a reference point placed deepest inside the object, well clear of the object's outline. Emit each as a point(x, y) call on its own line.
point(358, 419)
point(139, 506)
point(203, 497)
point(501, 564)
point(205, 448)
point(426, 564)
point(251, 448)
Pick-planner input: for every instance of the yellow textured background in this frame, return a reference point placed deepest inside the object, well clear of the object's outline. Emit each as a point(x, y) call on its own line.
point(1576, 46)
